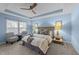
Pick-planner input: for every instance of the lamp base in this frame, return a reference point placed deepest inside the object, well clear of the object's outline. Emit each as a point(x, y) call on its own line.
point(58, 39)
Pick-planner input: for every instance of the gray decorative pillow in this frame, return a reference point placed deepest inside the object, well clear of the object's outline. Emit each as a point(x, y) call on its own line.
point(29, 40)
point(31, 35)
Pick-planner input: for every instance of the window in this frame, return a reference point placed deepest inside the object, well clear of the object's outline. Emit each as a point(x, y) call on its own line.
point(35, 28)
point(12, 26)
point(22, 26)
point(15, 26)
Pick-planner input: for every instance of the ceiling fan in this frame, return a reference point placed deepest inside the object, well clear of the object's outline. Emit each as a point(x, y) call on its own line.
point(31, 7)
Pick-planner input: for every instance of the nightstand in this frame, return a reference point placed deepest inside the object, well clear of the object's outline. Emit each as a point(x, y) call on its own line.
point(58, 40)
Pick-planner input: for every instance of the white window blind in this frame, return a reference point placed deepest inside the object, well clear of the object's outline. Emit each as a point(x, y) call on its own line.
point(15, 26)
point(23, 26)
point(12, 26)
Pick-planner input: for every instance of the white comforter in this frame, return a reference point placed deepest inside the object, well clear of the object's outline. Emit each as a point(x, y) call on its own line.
point(47, 37)
point(41, 41)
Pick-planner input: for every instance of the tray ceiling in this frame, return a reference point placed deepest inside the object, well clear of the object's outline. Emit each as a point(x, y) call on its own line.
point(43, 9)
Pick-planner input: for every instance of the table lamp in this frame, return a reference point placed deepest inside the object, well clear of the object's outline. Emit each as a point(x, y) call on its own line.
point(58, 27)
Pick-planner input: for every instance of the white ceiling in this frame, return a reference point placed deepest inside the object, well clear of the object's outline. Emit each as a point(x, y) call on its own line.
point(41, 8)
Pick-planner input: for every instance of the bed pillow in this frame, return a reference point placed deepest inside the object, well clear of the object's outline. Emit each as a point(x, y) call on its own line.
point(29, 40)
point(25, 38)
point(31, 35)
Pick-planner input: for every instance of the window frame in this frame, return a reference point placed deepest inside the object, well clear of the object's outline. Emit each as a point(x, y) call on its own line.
point(17, 26)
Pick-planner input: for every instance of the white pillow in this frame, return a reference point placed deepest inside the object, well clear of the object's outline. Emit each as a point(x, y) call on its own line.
point(25, 38)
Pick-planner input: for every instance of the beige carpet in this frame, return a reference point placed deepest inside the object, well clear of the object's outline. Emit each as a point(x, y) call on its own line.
point(18, 49)
point(58, 49)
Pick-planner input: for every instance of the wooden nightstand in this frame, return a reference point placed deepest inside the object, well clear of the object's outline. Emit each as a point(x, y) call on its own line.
point(58, 40)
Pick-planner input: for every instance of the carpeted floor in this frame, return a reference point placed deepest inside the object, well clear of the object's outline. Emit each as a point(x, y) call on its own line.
point(18, 49)
point(58, 49)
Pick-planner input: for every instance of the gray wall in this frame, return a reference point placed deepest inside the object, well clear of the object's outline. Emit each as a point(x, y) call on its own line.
point(75, 28)
point(2, 29)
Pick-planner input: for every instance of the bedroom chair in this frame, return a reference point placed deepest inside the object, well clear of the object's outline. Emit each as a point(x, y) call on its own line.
point(11, 38)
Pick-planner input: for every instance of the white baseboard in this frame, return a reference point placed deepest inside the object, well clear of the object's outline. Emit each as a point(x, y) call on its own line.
point(67, 42)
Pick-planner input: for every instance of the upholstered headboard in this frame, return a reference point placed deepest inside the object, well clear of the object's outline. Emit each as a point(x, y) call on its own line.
point(45, 30)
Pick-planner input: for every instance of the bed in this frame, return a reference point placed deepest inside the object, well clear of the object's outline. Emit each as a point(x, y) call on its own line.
point(39, 42)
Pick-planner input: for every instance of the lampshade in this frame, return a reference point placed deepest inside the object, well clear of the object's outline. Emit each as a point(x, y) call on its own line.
point(58, 25)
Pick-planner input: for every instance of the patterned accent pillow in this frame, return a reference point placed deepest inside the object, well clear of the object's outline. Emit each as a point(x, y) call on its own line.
point(29, 40)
